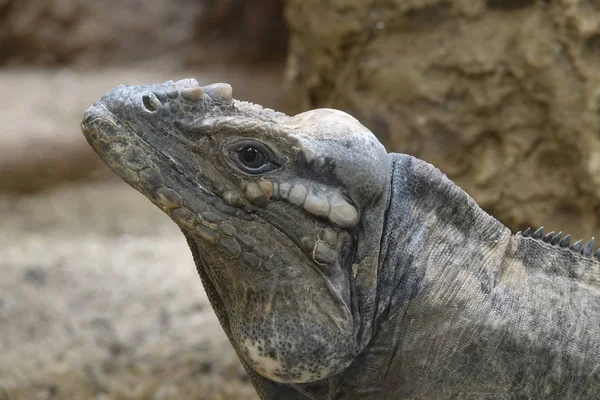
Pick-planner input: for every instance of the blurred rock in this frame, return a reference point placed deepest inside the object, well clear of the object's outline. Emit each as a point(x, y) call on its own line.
point(241, 30)
point(90, 33)
point(500, 95)
point(114, 32)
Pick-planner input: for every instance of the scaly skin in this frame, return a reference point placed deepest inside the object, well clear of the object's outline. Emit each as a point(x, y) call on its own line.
point(341, 272)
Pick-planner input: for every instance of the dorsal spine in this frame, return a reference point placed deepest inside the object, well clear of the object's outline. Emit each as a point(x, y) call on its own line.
point(555, 240)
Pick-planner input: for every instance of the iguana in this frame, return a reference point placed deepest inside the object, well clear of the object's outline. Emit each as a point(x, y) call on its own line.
point(339, 271)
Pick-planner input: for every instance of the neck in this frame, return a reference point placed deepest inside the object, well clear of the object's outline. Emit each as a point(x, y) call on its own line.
point(432, 225)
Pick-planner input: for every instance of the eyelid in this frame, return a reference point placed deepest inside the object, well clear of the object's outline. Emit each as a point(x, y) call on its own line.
point(271, 158)
point(240, 144)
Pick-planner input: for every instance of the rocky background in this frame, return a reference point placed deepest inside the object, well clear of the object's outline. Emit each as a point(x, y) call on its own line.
point(99, 298)
point(502, 95)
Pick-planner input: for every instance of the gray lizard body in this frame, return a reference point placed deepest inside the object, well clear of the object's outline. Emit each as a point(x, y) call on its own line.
point(341, 272)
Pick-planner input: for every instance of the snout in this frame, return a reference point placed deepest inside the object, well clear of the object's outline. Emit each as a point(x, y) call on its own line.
point(89, 116)
point(156, 100)
point(129, 121)
point(94, 118)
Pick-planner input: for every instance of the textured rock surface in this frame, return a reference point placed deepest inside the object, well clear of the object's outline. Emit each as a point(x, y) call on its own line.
point(500, 95)
point(100, 299)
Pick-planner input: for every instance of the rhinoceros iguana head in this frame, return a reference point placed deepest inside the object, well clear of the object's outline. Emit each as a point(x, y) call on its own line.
point(283, 214)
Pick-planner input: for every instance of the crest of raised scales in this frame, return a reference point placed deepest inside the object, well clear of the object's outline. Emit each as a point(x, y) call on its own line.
point(564, 242)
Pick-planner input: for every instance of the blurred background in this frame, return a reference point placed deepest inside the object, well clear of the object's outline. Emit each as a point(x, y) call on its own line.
point(99, 298)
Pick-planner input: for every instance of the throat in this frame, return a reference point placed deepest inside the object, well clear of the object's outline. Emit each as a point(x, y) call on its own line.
point(432, 227)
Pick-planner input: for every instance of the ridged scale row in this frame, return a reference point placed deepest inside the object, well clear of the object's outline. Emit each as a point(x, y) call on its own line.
point(565, 242)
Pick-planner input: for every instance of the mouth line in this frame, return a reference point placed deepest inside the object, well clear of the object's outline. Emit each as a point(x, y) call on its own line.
point(167, 160)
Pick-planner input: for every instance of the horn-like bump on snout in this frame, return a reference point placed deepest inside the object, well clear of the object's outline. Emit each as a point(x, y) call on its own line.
point(220, 92)
point(192, 94)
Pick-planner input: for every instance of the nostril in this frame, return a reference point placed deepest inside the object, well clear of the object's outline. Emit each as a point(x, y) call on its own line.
point(151, 103)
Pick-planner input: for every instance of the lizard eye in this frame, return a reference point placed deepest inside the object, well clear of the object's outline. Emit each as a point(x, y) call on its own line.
point(253, 158)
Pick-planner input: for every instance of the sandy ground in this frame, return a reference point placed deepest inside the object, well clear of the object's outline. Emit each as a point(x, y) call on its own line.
point(99, 297)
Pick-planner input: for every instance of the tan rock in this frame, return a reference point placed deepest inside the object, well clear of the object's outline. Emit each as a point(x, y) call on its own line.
point(502, 97)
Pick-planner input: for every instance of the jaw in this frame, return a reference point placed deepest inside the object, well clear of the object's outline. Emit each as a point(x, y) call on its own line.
point(136, 161)
point(287, 321)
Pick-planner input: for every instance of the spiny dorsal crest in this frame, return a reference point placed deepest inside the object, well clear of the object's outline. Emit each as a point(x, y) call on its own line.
point(563, 242)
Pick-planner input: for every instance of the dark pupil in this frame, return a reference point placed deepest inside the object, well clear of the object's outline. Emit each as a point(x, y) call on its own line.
point(251, 157)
